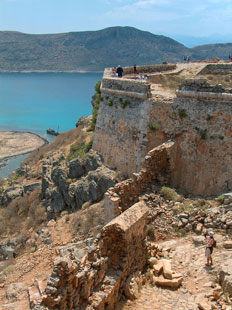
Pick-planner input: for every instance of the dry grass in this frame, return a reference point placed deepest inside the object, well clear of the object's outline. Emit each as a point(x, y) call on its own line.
point(170, 194)
point(90, 219)
point(225, 79)
point(22, 213)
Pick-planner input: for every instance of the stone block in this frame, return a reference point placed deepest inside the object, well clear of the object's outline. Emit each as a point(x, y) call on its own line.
point(174, 283)
point(228, 244)
point(158, 268)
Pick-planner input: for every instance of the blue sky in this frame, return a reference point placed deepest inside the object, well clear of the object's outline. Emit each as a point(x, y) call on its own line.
point(199, 18)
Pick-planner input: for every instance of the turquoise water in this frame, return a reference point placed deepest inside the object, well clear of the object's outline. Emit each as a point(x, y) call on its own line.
point(38, 101)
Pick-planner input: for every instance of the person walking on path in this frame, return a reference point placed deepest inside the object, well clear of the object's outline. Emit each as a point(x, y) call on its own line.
point(119, 71)
point(210, 244)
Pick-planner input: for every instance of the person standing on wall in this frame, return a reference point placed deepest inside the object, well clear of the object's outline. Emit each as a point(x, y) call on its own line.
point(119, 71)
point(135, 69)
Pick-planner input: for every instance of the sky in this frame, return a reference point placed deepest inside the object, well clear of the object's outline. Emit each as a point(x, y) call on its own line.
point(174, 18)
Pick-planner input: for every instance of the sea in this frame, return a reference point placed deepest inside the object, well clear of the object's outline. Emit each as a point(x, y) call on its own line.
point(35, 102)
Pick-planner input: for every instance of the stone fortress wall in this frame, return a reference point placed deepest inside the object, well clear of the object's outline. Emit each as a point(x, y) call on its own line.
point(131, 121)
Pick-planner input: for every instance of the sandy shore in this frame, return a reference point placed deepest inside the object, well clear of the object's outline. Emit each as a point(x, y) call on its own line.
point(14, 143)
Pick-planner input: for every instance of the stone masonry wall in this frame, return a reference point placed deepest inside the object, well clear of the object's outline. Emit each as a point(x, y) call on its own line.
point(123, 195)
point(217, 69)
point(200, 121)
point(121, 128)
point(97, 280)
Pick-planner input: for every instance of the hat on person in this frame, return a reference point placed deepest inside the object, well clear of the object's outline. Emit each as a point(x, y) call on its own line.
point(211, 233)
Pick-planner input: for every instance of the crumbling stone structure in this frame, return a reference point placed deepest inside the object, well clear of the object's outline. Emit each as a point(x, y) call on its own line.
point(96, 280)
point(155, 168)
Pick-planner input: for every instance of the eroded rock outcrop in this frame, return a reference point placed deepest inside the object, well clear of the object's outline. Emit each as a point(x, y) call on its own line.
point(69, 185)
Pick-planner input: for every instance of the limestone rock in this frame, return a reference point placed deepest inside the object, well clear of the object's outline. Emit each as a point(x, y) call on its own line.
point(75, 168)
point(158, 268)
point(161, 281)
point(225, 276)
point(167, 269)
point(14, 290)
point(204, 305)
point(11, 193)
point(228, 244)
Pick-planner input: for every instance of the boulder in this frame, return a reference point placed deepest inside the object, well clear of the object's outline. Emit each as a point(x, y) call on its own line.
point(10, 194)
point(225, 276)
point(152, 261)
point(228, 244)
point(161, 281)
point(31, 187)
point(158, 268)
point(14, 290)
point(75, 168)
point(131, 288)
point(167, 269)
point(204, 305)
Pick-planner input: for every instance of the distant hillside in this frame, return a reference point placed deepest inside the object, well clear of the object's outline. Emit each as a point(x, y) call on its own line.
point(220, 50)
point(90, 50)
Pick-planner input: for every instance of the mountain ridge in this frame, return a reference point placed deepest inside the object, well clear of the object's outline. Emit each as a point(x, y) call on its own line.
point(94, 50)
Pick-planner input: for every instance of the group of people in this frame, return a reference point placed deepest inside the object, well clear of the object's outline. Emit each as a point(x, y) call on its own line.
point(117, 71)
point(186, 59)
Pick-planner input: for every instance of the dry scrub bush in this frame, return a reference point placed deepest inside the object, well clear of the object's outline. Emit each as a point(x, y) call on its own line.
point(22, 212)
point(170, 194)
point(88, 219)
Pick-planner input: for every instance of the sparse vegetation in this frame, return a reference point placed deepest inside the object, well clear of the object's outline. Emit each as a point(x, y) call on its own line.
point(79, 149)
point(150, 232)
point(170, 194)
point(203, 134)
point(124, 103)
point(110, 103)
point(221, 199)
point(182, 113)
point(27, 211)
point(153, 126)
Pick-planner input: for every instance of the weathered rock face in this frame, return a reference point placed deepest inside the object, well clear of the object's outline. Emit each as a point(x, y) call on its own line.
point(225, 276)
point(10, 194)
point(97, 277)
point(68, 186)
point(130, 123)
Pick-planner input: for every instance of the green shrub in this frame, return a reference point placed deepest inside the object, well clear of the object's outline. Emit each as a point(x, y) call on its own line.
point(170, 194)
point(94, 117)
point(182, 113)
point(221, 137)
point(97, 87)
point(124, 103)
point(152, 125)
point(79, 149)
point(110, 103)
point(209, 117)
point(203, 134)
point(221, 199)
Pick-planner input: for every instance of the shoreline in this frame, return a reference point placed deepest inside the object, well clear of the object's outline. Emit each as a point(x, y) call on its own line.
point(20, 136)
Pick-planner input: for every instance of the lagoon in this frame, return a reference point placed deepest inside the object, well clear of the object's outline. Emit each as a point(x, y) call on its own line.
point(37, 101)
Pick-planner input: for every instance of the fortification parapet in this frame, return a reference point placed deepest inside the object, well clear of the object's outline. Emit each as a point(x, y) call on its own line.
point(125, 88)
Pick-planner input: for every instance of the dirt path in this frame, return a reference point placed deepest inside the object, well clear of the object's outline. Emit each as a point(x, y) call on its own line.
point(189, 260)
